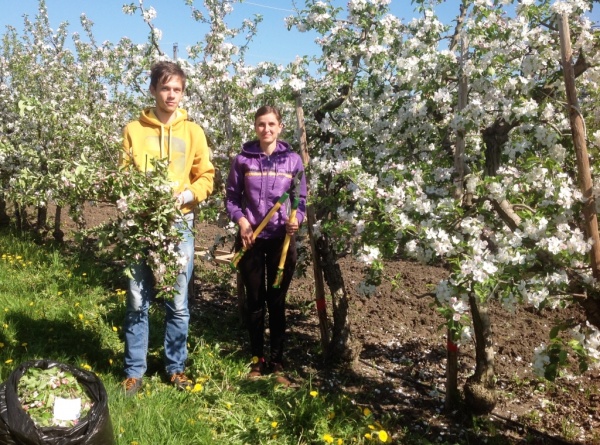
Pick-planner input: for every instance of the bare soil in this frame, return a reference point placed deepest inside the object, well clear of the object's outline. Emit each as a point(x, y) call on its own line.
point(400, 374)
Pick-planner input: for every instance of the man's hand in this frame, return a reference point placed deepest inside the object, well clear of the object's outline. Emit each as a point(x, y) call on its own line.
point(179, 200)
point(185, 197)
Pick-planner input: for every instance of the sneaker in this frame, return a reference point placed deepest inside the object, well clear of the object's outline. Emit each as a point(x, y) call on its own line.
point(257, 367)
point(181, 381)
point(279, 376)
point(131, 386)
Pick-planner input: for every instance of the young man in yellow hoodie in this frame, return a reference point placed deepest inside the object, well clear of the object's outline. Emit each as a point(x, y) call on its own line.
point(164, 131)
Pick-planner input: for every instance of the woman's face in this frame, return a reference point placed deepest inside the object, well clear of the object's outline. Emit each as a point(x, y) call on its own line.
point(267, 128)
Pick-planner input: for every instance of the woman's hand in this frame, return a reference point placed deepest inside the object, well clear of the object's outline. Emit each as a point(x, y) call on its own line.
point(246, 233)
point(291, 227)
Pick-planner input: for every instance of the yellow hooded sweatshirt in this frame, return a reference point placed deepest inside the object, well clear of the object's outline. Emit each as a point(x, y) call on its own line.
point(183, 142)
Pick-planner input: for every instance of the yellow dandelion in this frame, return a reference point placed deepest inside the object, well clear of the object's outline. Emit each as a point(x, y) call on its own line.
point(77, 304)
point(84, 274)
point(367, 412)
point(114, 328)
point(19, 257)
point(371, 427)
point(197, 387)
point(383, 436)
point(314, 393)
point(31, 303)
point(87, 367)
point(110, 361)
point(59, 293)
point(368, 436)
point(327, 438)
point(228, 405)
point(257, 419)
point(135, 442)
point(10, 360)
point(274, 424)
point(80, 316)
point(340, 442)
point(255, 360)
point(5, 326)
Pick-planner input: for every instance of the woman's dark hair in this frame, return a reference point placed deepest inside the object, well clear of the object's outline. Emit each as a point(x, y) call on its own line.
point(266, 109)
point(163, 71)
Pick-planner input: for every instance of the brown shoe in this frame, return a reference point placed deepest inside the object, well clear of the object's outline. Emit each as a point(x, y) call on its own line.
point(279, 376)
point(181, 381)
point(131, 386)
point(257, 367)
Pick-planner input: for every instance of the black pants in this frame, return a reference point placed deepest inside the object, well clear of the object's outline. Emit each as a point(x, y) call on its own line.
point(258, 269)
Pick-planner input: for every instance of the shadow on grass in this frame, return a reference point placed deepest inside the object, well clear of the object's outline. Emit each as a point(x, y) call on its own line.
point(58, 340)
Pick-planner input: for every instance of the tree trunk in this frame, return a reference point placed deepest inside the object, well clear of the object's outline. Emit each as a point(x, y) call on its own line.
point(591, 306)
point(495, 137)
point(343, 347)
point(20, 217)
point(42, 219)
point(4, 218)
point(58, 234)
point(480, 393)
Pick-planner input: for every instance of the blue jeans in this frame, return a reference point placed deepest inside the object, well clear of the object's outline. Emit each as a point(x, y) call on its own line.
point(177, 315)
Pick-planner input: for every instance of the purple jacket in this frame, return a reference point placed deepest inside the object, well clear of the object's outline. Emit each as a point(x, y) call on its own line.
point(257, 181)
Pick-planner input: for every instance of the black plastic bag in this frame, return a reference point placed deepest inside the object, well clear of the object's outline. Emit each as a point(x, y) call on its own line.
point(17, 427)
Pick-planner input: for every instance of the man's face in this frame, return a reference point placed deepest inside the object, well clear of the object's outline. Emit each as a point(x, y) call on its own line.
point(168, 94)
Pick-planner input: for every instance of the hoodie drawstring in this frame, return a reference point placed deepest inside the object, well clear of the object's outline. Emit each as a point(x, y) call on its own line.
point(170, 134)
point(161, 143)
point(260, 164)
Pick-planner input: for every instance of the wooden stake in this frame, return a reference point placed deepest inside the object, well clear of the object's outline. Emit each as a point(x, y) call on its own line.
point(311, 219)
point(578, 132)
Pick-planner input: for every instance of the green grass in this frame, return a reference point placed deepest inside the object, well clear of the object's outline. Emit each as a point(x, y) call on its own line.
point(69, 307)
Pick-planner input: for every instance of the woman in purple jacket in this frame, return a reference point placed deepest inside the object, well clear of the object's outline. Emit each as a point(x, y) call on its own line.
point(258, 177)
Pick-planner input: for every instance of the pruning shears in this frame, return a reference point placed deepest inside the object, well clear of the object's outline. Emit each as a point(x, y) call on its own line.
point(286, 242)
point(295, 186)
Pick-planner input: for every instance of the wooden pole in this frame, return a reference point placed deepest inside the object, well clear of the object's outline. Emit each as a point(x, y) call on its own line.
point(452, 394)
point(311, 219)
point(578, 133)
point(459, 153)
